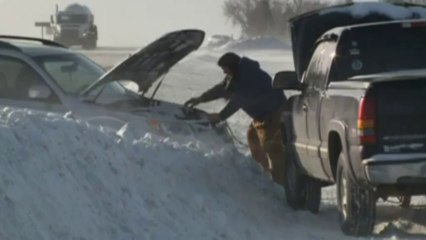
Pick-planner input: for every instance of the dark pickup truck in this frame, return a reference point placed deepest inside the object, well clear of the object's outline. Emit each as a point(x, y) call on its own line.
point(358, 118)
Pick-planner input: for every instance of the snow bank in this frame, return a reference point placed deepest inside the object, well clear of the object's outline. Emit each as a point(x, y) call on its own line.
point(216, 41)
point(362, 9)
point(260, 43)
point(65, 179)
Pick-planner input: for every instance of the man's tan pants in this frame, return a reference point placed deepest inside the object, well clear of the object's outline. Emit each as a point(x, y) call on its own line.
point(265, 143)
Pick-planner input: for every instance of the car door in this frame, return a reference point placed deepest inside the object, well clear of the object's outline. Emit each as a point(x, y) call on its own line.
point(22, 86)
point(316, 81)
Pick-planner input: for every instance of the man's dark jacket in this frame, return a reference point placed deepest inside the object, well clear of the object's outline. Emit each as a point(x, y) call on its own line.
point(250, 89)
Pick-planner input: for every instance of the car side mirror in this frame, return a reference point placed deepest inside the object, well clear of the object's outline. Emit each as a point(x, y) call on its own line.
point(39, 91)
point(286, 80)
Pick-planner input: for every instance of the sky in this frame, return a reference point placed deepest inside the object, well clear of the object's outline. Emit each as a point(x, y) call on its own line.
point(124, 22)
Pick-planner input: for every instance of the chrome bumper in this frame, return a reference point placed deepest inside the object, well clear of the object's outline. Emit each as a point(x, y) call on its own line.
point(390, 168)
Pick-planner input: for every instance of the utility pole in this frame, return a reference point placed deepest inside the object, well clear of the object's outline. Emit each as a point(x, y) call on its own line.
point(42, 25)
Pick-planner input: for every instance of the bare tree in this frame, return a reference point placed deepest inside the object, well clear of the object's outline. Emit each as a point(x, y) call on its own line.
point(237, 11)
point(253, 16)
point(266, 17)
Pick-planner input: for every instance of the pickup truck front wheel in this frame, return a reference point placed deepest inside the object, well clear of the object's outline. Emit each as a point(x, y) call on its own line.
point(357, 205)
point(294, 185)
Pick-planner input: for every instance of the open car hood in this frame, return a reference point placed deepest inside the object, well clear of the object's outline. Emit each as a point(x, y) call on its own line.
point(308, 27)
point(146, 65)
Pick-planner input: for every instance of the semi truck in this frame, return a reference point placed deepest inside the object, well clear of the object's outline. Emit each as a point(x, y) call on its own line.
point(73, 26)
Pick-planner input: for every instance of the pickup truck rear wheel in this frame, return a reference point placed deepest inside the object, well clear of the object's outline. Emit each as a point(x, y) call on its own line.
point(313, 195)
point(294, 185)
point(404, 201)
point(357, 205)
point(89, 44)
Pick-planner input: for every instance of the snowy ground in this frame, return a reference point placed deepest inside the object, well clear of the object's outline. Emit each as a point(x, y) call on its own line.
point(65, 179)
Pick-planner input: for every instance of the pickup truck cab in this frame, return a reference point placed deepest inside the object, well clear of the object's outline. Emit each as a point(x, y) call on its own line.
point(358, 118)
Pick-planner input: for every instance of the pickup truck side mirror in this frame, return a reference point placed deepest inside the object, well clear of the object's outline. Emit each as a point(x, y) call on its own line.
point(286, 80)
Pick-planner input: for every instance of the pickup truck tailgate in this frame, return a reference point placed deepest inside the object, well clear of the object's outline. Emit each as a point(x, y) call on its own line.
point(401, 115)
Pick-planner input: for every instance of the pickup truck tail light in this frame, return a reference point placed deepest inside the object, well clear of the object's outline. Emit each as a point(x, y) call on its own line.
point(413, 24)
point(367, 121)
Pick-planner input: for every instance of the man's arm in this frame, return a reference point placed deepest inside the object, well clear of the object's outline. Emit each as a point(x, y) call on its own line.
point(214, 93)
point(218, 91)
point(232, 107)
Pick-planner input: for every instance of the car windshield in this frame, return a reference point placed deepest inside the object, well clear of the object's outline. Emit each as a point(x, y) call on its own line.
point(72, 18)
point(74, 73)
point(383, 49)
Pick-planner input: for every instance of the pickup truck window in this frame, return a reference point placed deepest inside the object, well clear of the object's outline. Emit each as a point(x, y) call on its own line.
point(319, 67)
point(381, 49)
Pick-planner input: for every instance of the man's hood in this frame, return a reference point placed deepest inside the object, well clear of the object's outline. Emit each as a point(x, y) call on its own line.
point(307, 28)
point(247, 63)
point(145, 66)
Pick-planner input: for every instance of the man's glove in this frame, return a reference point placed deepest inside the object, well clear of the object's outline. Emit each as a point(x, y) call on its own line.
point(214, 118)
point(193, 102)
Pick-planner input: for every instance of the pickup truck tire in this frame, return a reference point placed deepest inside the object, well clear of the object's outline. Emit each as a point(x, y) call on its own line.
point(357, 205)
point(89, 44)
point(294, 184)
point(313, 195)
point(405, 201)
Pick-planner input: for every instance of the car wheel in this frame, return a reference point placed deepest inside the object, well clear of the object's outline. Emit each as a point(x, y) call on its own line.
point(357, 205)
point(294, 184)
point(89, 44)
point(93, 45)
point(404, 201)
point(313, 195)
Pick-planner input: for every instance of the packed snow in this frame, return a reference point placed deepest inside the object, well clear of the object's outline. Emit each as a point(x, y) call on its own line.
point(251, 44)
point(394, 12)
point(63, 178)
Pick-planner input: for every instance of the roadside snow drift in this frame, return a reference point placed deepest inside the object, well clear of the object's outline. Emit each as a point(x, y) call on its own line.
point(256, 43)
point(64, 179)
point(362, 9)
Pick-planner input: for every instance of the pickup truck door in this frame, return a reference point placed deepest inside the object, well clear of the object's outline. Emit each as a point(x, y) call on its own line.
point(316, 82)
point(300, 127)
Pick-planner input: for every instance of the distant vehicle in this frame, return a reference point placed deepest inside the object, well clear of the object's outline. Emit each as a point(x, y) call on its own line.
point(215, 41)
point(51, 77)
point(74, 26)
point(358, 118)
